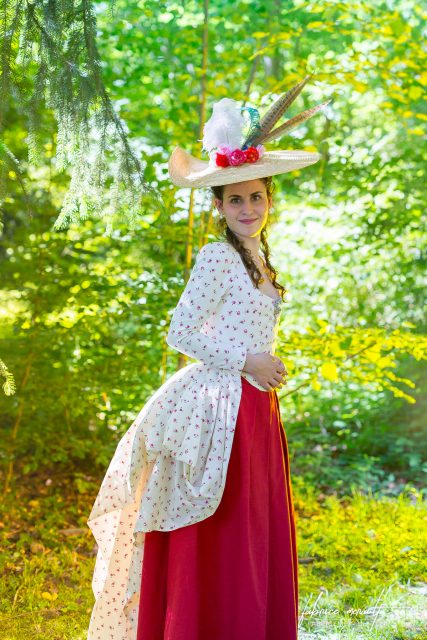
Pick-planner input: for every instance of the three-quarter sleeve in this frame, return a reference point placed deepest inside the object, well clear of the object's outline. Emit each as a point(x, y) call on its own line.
point(210, 279)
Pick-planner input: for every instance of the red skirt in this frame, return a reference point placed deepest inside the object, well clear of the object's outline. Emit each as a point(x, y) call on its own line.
point(233, 575)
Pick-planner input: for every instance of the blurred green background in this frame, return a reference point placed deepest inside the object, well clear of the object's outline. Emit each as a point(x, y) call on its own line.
point(97, 244)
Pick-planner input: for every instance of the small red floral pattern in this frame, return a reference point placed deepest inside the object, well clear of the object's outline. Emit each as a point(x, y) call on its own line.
point(169, 468)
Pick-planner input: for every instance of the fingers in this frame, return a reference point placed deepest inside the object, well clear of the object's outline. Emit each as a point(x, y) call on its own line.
point(279, 379)
point(271, 386)
point(277, 383)
point(280, 366)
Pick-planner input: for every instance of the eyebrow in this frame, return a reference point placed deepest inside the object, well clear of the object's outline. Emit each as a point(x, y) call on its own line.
point(238, 196)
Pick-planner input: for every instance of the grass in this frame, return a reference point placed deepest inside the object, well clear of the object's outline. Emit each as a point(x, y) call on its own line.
point(362, 569)
point(362, 573)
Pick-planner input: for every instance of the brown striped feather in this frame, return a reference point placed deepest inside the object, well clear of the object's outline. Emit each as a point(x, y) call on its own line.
point(279, 107)
point(292, 123)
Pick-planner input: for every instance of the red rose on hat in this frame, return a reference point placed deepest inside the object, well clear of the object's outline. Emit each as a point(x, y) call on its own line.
point(252, 154)
point(221, 160)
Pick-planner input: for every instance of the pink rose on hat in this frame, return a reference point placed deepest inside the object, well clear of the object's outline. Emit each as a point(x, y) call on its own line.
point(237, 157)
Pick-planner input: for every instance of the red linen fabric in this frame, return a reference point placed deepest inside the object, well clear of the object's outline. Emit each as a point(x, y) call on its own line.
point(233, 575)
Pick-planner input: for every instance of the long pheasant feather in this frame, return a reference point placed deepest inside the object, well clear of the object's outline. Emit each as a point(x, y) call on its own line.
point(292, 123)
point(276, 111)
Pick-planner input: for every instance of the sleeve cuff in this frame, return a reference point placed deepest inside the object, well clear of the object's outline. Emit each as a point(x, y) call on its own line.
point(241, 353)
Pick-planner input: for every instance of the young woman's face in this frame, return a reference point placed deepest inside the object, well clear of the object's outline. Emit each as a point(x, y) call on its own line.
point(245, 206)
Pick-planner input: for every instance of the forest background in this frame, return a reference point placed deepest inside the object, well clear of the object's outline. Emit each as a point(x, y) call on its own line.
point(96, 245)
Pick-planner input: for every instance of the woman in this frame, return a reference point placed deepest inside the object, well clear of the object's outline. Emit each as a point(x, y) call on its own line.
point(234, 574)
point(194, 519)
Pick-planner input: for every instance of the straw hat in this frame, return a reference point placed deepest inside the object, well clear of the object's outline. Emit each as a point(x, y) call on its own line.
point(236, 155)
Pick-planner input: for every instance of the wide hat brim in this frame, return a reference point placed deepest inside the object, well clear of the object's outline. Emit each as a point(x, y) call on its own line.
point(186, 170)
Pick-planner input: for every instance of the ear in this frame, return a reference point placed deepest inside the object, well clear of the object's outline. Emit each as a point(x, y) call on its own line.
point(218, 204)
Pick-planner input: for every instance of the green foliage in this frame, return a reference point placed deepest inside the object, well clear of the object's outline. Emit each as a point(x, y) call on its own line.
point(9, 384)
point(87, 312)
point(87, 338)
point(54, 47)
point(86, 306)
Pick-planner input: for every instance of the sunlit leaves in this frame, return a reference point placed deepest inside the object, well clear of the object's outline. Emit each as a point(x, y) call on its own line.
point(337, 354)
point(329, 371)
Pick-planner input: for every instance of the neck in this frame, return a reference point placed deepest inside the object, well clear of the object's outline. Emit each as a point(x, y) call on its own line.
point(252, 244)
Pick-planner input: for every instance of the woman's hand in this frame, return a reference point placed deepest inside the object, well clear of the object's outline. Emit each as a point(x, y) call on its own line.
point(268, 370)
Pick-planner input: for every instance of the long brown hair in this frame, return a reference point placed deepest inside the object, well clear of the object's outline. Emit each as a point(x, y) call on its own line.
point(228, 236)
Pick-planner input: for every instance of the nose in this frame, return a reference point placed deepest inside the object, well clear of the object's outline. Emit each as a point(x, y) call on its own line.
point(247, 209)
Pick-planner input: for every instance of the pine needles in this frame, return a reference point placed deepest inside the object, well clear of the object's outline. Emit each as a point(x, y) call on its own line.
point(49, 58)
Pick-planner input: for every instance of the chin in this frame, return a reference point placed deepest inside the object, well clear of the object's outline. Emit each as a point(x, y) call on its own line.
point(247, 230)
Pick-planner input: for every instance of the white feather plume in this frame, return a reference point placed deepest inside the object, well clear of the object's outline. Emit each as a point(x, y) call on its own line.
point(225, 126)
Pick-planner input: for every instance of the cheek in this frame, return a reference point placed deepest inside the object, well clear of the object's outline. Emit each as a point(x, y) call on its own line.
point(231, 212)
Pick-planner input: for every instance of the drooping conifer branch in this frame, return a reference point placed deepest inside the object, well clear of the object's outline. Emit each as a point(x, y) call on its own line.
point(49, 57)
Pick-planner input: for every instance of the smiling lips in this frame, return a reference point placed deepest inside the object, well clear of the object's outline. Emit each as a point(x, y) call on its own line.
point(248, 221)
